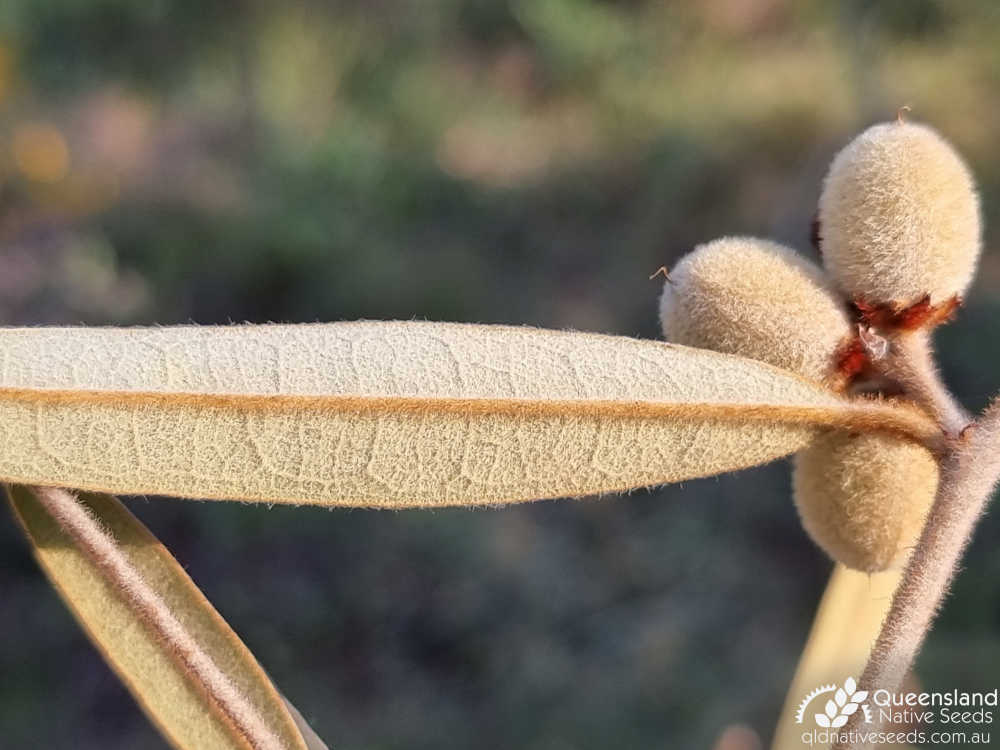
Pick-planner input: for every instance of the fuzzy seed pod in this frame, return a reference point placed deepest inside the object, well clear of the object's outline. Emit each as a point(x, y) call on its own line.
point(863, 498)
point(899, 223)
point(758, 299)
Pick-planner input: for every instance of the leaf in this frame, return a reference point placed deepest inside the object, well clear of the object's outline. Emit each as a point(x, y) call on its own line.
point(849, 709)
point(394, 414)
point(822, 720)
point(838, 722)
point(312, 740)
point(831, 709)
point(847, 622)
point(850, 686)
point(189, 672)
point(841, 697)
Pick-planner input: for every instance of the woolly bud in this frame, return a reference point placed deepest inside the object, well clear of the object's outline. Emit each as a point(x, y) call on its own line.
point(899, 221)
point(863, 498)
point(758, 299)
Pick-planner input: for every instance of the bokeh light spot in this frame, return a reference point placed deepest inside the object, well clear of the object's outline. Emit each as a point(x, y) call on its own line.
point(40, 152)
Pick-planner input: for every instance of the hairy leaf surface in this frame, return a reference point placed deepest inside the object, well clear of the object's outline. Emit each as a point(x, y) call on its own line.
point(189, 671)
point(394, 413)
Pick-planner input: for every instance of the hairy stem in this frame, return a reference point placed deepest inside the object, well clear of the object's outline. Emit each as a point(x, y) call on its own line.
point(103, 551)
point(910, 362)
point(969, 473)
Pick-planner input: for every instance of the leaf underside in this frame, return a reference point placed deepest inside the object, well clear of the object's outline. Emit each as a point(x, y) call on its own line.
point(154, 626)
point(394, 414)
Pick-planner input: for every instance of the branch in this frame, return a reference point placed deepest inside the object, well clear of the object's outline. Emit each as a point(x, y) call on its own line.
point(969, 473)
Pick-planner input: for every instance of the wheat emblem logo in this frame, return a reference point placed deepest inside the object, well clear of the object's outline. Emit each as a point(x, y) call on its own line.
point(845, 702)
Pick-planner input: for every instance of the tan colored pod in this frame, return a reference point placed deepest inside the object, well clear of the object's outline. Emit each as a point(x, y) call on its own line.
point(899, 219)
point(863, 498)
point(757, 299)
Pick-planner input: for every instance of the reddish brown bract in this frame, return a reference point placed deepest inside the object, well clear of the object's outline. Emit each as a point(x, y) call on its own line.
point(921, 314)
point(852, 359)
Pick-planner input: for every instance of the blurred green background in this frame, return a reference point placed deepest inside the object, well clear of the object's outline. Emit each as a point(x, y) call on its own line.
point(507, 161)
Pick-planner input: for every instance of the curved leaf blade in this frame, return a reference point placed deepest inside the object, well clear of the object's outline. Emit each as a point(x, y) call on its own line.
point(394, 414)
point(846, 624)
point(185, 666)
